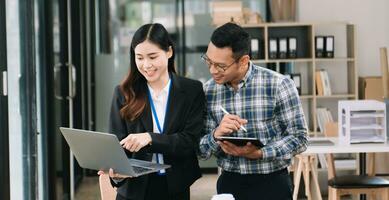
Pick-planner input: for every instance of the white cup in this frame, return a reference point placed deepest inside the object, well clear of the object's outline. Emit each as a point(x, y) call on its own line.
point(223, 197)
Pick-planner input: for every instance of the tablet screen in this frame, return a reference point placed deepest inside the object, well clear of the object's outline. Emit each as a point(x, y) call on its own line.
point(241, 141)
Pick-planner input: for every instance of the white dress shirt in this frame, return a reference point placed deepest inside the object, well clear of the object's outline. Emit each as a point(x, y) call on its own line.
point(160, 102)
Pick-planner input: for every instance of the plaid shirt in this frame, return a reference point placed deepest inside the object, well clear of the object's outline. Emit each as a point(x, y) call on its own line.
point(270, 103)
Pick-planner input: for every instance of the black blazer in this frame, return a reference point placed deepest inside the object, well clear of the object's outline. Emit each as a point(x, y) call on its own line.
point(184, 122)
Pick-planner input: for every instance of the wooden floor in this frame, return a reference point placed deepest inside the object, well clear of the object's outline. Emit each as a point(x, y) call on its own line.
point(202, 189)
point(89, 189)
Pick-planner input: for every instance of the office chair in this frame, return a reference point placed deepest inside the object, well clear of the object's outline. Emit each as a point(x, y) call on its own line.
point(106, 190)
point(355, 184)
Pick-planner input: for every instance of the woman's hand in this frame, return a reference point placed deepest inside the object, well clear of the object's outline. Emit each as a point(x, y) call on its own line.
point(113, 175)
point(134, 142)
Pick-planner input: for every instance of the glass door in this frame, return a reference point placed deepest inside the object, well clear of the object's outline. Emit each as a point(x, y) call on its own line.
point(62, 59)
point(22, 115)
point(60, 103)
point(4, 149)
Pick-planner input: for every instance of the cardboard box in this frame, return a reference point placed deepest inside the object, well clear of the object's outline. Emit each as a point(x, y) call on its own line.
point(226, 6)
point(222, 18)
point(371, 88)
point(227, 11)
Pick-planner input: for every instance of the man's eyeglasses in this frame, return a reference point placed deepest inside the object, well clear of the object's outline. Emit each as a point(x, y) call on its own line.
point(219, 66)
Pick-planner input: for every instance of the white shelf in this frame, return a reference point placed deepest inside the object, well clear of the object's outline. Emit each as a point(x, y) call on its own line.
point(364, 127)
point(367, 115)
point(367, 139)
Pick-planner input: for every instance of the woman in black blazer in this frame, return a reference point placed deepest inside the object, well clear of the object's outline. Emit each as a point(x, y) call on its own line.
point(158, 116)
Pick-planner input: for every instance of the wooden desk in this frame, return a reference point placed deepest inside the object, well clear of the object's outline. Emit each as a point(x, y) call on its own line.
point(306, 163)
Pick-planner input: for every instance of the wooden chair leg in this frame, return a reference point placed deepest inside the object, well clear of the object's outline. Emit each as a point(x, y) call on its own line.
point(373, 197)
point(297, 177)
point(294, 166)
point(337, 195)
point(315, 180)
point(330, 196)
point(306, 174)
point(385, 194)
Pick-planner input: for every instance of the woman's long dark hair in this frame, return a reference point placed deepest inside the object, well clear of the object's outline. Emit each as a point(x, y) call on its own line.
point(134, 86)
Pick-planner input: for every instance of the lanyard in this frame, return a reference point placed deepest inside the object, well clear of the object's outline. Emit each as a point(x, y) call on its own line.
point(159, 156)
point(155, 112)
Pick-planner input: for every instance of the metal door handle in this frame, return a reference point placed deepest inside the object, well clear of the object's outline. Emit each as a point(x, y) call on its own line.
point(5, 83)
point(73, 80)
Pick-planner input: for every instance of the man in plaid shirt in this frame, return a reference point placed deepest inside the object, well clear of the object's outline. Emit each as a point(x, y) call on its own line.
point(266, 103)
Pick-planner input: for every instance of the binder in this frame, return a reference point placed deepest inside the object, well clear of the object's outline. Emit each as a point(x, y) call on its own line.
point(297, 81)
point(329, 46)
point(254, 49)
point(273, 48)
point(283, 48)
point(292, 47)
point(319, 46)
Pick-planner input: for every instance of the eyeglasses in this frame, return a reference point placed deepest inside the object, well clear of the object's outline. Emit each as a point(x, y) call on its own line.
point(220, 67)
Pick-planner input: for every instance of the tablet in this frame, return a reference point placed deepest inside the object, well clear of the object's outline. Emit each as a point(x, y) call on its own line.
point(241, 141)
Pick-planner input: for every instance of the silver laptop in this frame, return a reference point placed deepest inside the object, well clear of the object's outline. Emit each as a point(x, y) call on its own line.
point(101, 151)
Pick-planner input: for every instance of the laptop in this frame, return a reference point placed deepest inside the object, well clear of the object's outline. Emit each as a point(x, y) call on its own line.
point(101, 151)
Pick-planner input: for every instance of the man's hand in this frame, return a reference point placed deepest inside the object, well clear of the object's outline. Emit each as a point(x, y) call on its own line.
point(113, 175)
point(249, 150)
point(134, 142)
point(229, 124)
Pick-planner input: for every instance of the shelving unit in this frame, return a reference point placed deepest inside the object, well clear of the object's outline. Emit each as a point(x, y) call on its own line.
point(306, 63)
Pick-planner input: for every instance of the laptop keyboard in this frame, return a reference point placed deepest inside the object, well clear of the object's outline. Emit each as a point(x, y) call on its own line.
point(140, 170)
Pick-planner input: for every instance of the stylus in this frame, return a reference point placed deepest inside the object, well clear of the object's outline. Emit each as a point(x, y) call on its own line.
point(225, 112)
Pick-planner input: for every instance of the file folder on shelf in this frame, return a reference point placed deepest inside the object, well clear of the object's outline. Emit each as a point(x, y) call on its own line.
point(319, 46)
point(292, 47)
point(329, 46)
point(273, 48)
point(283, 48)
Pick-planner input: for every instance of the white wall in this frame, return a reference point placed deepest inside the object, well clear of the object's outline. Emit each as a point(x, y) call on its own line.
point(371, 18)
